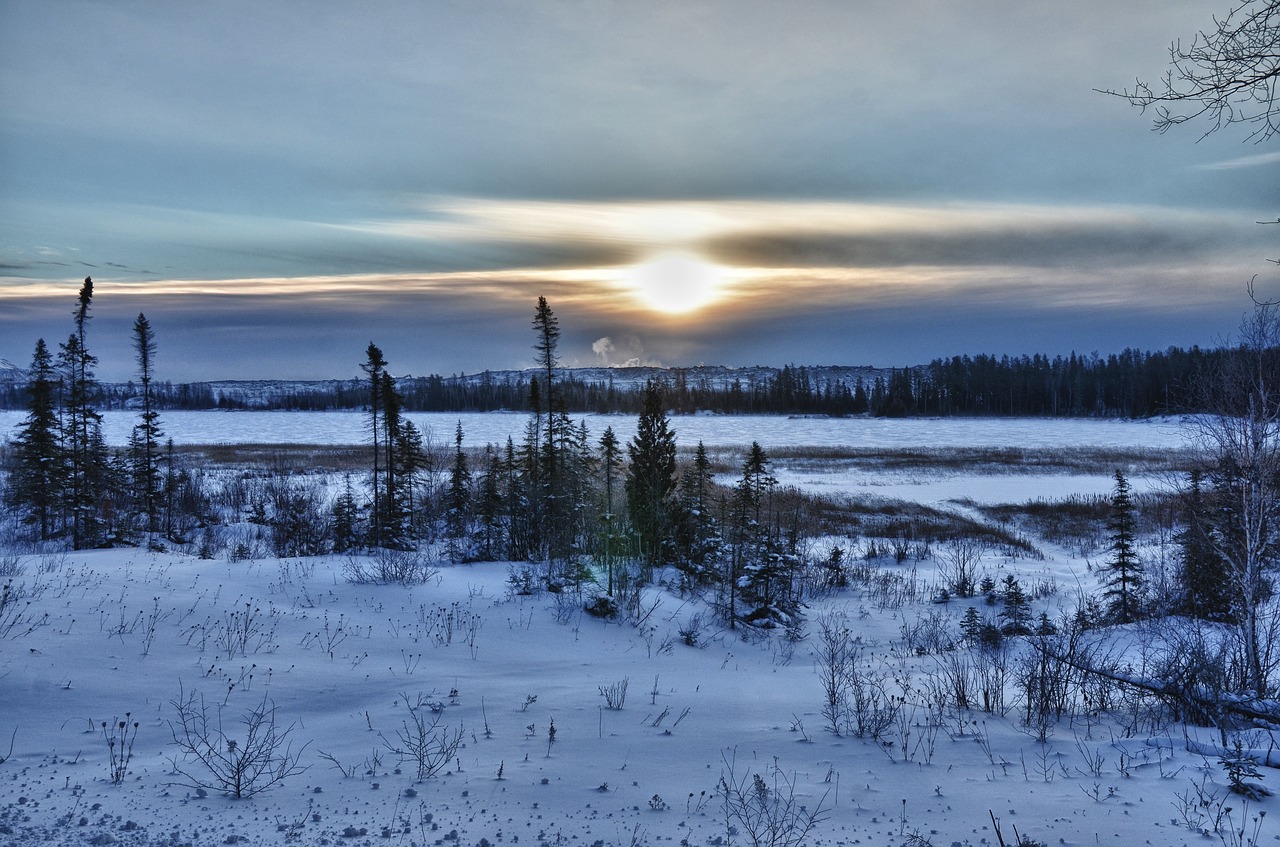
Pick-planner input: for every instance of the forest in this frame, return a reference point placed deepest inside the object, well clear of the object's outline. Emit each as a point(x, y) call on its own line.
point(1129, 384)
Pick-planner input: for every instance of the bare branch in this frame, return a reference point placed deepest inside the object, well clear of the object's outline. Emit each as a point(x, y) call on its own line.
point(1226, 75)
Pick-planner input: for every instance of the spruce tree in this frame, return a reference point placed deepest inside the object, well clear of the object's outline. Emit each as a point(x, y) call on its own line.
point(457, 515)
point(38, 461)
point(1123, 568)
point(146, 433)
point(696, 531)
point(1205, 592)
point(759, 563)
point(1016, 613)
point(651, 476)
point(610, 464)
point(345, 514)
point(87, 469)
point(489, 507)
point(552, 421)
point(373, 367)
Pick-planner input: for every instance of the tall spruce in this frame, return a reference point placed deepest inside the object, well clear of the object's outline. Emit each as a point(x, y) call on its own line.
point(1124, 577)
point(489, 507)
point(394, 518)
point(696, 534)
point(550, 419)
point(373, 367)
point(752, 562)
point(145, 440)
point(38, 462)
point(1204, 592)
point(610, 466)
point(651, 476)
point(85, 452)
point(457, 513)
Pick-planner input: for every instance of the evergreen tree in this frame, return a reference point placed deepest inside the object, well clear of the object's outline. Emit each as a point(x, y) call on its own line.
point(393, 514)
point(344, 520)
point(697, 537)
point(1016, 613)
point(146, 433)
point(87, 469)
point(37, 478)
point(610, 465)
point(1205, 592)
point(551, 419)
point(1123, 568)
point(761, 565)
point(489, 507)
point(373, 367)
point(405, 459)
point(651, 476)
point(457, 515)
point(522, 527)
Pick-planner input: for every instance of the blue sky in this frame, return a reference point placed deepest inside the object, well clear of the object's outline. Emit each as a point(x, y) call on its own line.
point(278, 183)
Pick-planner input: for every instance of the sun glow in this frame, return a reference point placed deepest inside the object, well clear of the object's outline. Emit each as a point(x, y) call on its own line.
point(675, 282)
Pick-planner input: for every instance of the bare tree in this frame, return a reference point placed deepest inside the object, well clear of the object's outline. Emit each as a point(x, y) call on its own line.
point(1227, 75)
point(766, 812)
point(261, 758)
point(1241, 434)
point(958, 562)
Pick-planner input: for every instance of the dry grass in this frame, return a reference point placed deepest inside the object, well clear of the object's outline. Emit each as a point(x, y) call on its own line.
point(980, 459)
point(284, 457)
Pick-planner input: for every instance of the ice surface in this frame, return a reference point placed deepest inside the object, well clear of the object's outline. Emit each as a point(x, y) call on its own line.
point(221, 427)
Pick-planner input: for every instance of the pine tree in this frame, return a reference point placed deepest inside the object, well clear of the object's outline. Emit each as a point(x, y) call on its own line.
point(38, 461)
point(146, 433)
point(1123, 568)
point(651, 476)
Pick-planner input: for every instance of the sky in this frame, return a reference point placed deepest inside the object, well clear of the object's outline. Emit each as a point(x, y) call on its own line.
point(277, 184)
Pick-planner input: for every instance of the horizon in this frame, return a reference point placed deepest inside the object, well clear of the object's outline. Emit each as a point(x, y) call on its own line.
point(726, 183)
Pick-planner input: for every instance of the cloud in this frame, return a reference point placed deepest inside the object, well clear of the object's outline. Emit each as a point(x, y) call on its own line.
point(1257, 160)
point(778, 233)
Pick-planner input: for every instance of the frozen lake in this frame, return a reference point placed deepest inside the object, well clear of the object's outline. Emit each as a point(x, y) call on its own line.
point(773, 432)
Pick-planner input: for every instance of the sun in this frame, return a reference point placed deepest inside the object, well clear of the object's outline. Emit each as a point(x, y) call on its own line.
point(675, 282)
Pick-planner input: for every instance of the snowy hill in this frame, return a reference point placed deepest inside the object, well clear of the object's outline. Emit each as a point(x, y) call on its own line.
point(11, 373)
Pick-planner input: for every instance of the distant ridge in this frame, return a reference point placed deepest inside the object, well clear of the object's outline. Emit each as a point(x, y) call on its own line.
point(9, 372)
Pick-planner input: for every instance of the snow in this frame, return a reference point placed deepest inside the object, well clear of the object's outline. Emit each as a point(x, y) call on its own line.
point(128, 630)
point(772, 431)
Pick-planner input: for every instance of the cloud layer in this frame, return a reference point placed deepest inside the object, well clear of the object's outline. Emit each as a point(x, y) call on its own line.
point(881, 183)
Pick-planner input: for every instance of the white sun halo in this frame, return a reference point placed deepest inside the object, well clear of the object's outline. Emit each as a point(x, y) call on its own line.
point(675, 282)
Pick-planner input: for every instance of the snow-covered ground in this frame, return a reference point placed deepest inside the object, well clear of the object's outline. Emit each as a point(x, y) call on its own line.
point(131, 633)
point(772, 431)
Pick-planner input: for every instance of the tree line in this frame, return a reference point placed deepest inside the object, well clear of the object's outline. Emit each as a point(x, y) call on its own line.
point(1132, 383)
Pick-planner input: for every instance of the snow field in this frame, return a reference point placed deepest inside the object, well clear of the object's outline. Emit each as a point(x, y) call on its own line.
point(129, 631)
point(611, 776)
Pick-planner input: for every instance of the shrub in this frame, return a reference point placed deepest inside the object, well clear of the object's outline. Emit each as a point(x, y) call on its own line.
point(263, 758)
